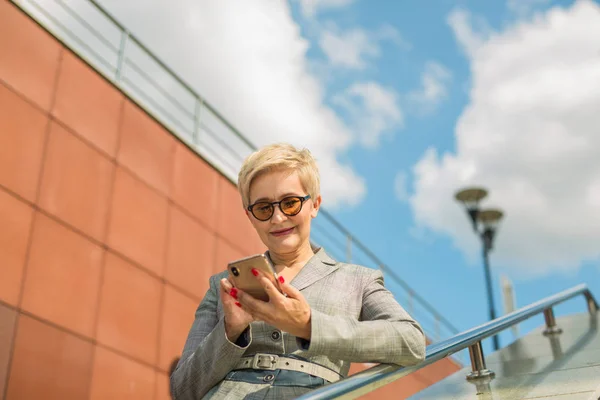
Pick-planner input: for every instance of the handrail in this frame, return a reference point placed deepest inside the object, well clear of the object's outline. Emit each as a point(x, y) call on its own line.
point(119, 61)
point(383, 374)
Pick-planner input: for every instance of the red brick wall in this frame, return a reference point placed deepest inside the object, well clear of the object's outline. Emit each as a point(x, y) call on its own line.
point(411, 384)
point(110, 228)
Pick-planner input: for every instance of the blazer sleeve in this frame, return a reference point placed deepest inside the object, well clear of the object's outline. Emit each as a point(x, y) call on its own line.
point(384, 333)
point(208, 355)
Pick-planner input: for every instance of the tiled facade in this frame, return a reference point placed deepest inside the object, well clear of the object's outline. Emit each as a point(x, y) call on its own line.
point(110, 230)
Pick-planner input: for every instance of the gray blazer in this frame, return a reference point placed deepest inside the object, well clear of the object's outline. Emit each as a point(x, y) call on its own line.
point(354, 318)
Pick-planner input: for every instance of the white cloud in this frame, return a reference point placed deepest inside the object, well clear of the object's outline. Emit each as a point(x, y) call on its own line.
point(348, 49)
point(260, 81)
point(470, 31)
point(530, 134)
point(401, 186)
point(434, 87)
point(421, 234)
point(524, 8)
point(311, 7)
point(372, 111)
point(388, 32)
point(354, 48)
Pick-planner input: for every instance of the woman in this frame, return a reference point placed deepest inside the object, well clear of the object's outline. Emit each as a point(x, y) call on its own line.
point(329, 315)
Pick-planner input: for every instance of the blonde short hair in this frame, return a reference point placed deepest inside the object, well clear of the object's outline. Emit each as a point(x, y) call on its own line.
point(276, 157)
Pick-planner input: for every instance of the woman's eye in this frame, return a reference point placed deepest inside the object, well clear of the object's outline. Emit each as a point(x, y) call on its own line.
point(290, 203)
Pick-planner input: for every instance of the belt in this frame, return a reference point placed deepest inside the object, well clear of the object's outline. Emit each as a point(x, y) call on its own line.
point(273, 362)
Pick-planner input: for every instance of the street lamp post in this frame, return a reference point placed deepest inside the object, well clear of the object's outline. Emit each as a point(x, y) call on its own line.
point(488, 220)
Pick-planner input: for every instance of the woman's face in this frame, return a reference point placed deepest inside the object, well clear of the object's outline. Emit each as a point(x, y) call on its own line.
point(282, 233)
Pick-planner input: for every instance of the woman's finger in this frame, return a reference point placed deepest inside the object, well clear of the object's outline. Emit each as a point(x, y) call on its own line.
point(266, 283)
point(226, 285)
point(289, 290)
point(250, 304)
point(228, 293)
point(272, 291)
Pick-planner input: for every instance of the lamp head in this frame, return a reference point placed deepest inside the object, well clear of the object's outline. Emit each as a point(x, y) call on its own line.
point(490, 219)
point(470, 198)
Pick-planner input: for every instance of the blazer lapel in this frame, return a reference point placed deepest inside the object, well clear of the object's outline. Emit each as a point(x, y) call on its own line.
point(319, 266)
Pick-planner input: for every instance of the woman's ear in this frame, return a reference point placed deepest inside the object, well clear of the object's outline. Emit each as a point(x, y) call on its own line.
point(249, 216)
point(316, 206)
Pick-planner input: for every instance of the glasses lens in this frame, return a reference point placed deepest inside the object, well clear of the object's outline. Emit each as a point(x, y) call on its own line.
point(291, 205)
point(262, 211)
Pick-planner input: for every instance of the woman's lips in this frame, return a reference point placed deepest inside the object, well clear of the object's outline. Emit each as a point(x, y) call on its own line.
point(282, 232)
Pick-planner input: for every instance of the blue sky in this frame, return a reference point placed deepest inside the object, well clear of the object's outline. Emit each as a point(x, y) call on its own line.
point(432, 265)
point(403, 103)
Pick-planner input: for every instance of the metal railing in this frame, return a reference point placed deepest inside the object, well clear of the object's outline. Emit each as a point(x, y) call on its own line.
point(383, 374)
point(104, 43)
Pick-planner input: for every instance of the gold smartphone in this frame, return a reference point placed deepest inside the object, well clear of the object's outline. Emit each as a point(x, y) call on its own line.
point(240, 273)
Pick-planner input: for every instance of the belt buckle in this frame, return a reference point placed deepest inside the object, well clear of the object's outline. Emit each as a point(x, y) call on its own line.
point(264, 361)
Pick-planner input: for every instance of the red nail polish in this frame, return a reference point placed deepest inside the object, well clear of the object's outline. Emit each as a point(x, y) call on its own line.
point(281, 279)
point(233, 293)
point(238, 304)
point(254, 272)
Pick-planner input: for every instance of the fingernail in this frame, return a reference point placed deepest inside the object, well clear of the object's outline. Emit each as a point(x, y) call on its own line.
point(233, 293)
point(238, 304)
point(281, 279)
point(254, 272)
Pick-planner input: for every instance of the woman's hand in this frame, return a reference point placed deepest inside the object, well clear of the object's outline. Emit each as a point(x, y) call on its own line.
point(290, 314)
point(236, 319)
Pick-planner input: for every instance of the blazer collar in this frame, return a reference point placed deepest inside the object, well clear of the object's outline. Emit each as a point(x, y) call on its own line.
point(319, 266)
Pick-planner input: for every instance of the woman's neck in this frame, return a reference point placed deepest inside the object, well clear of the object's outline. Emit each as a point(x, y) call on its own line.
point(293, 260)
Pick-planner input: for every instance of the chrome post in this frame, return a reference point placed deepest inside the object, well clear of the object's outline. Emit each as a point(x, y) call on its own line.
point(591, 304)
point(557, 351)
point(121, 59)
point(483, 389)
point(551, 327)
point(479, 370)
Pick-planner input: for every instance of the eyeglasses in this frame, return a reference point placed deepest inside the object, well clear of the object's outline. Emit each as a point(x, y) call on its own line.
point(290, 206)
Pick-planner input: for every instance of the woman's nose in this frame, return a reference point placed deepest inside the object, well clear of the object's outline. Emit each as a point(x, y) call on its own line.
point(278, 216)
